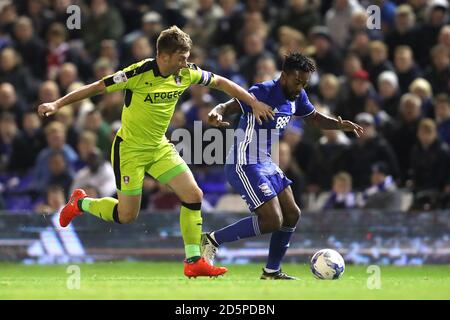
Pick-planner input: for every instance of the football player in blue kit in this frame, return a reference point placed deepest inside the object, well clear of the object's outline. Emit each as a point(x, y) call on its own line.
point(252, 172)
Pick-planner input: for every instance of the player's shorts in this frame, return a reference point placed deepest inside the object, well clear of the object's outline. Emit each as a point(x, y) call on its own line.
point(257, 183)
point(130, 165)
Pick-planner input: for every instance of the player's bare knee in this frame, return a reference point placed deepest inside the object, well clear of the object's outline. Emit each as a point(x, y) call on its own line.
point(269, 224)
point(292, 217)
point(194, 196)
point(278, 222)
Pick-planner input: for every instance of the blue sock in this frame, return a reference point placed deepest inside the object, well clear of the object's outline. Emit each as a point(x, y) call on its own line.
point(244, 228)
point(279, 243)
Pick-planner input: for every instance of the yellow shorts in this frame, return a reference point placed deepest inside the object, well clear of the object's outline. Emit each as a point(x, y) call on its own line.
point(130, 165)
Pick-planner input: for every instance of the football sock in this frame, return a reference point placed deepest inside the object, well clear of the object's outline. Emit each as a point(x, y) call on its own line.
point(104, 208)
point(279, 243)
point(191, 229)
point(244, 228)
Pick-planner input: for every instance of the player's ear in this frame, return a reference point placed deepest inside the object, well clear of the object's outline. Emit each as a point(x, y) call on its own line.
point(283, 76)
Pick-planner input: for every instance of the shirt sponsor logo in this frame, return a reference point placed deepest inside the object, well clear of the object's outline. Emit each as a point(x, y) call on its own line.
point(163, 96)
point(282, 122)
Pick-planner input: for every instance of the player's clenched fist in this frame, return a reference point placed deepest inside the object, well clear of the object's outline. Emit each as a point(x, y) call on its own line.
point(47, 109)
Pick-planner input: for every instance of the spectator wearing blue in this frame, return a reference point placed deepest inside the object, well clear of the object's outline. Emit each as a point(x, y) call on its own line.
point(55, 133)
point(388, 9)
point(59, 173)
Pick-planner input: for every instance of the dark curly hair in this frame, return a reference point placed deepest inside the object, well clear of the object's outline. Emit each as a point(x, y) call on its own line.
point(297, 61)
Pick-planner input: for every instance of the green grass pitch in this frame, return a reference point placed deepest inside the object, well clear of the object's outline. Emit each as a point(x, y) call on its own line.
point(150, 280)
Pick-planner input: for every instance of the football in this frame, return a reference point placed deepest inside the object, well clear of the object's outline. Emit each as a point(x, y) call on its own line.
point(327, 264)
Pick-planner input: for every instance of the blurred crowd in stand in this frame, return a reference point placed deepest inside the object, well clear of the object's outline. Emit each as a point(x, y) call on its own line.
point(392, 79)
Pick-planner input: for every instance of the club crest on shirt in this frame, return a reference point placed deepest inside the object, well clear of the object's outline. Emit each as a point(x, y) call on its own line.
point(265, 189)
point(119, 77)
point(126, 179)
point(177, 79)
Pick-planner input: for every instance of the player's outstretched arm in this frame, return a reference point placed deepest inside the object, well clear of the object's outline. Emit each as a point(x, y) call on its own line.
point(215, 116)
point(260, 110)
point(89, 90)
point(327, 123)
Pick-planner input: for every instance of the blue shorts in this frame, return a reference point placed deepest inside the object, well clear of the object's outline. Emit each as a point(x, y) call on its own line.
point(256, 183)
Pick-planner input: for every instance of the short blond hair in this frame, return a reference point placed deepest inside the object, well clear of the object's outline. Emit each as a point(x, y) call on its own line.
point(421, 84)
point(173, 40)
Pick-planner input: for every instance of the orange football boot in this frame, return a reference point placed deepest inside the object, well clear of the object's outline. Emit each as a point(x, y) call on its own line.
point(71, 209)
point(201, 268)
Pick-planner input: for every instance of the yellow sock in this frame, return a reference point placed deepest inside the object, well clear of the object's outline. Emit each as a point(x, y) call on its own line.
point(191, 228)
